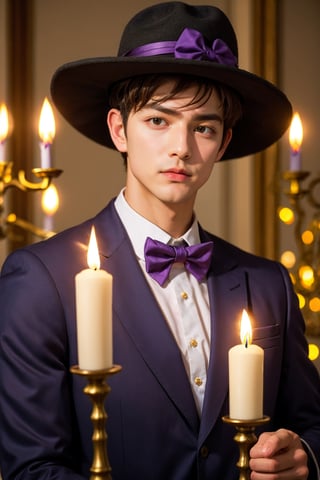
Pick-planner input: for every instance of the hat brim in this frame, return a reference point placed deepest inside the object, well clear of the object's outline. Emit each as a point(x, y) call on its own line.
point(80, 92)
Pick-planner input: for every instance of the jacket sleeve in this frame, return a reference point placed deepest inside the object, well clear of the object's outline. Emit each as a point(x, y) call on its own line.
point(36, 409)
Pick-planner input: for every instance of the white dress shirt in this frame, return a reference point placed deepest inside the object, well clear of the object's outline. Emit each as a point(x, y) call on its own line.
point(183, 300)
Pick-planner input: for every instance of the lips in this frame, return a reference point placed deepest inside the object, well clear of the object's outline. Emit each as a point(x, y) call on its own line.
point(176, 174)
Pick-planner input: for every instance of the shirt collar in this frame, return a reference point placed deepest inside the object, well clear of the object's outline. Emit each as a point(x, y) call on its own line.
point(139, 228)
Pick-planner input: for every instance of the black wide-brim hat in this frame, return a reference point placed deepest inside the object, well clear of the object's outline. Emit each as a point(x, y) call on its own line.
point(173, 38)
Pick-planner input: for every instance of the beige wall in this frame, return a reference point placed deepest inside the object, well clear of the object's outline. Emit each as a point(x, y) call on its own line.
point(300, 70)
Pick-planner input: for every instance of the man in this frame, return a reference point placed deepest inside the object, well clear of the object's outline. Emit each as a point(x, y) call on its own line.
point(175, 103)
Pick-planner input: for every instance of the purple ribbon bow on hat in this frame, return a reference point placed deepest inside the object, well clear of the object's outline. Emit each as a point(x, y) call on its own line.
point(190, 45)
point(160, 258)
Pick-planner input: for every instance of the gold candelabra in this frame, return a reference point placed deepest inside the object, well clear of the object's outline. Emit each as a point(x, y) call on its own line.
point(304, 266)
point(97, 389)
point(44, 174)
point(245, 438)
point(305, 269)
point(8, 181)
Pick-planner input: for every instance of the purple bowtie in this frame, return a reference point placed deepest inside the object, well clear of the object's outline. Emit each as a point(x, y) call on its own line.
point(160, 258)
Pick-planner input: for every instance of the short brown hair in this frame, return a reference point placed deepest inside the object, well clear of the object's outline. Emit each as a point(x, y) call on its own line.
point(134, 93)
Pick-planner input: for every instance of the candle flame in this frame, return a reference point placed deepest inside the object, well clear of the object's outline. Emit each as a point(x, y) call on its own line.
point(4, 122)
point(245, 329)
point(50, 200)
point(47, 126)
point(93, 252)
point(296, 133)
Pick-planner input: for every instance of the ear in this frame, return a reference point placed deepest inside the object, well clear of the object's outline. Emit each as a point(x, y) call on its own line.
point(226, 141)
point(117, 130)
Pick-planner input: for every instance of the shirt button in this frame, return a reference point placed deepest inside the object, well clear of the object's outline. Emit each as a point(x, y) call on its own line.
point(184, 295)
point(198, 381)
point(193, 343)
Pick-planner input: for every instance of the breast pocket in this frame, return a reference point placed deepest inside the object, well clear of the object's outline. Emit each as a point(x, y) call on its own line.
point(267, 336)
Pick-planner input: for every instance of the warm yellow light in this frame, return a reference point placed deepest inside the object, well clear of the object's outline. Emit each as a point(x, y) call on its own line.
point(296, 132)
point(50, 200)
point(307, 237)
point(4, 122)
point(288, 259)
point(286, 215)
point(306, 275)
point(245, 329)
point(314, 304)
point(47, 126)
point(93, 252)
point(313, 351)
point(302, 301)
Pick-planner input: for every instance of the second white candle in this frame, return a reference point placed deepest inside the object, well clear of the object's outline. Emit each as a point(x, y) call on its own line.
point(246, 363)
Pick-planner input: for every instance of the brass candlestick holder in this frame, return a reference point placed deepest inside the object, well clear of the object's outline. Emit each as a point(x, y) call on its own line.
point(245, 438)
point(97, 389)
point(8, 181)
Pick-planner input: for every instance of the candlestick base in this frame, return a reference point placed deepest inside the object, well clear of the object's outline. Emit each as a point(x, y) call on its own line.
point(97, 389)
point(245, 438)
point(46, 172)
point(295, 179)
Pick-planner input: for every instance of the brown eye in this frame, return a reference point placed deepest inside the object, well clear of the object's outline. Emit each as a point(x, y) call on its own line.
point(156, 121)
point(204, 129)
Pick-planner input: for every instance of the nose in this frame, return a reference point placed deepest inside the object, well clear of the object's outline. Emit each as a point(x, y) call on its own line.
point(180, 143)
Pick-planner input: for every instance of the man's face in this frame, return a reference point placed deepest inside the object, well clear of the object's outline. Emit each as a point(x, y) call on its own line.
point(171, 149)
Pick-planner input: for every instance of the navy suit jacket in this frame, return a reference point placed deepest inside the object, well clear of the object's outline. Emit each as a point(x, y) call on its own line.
point(154, 432)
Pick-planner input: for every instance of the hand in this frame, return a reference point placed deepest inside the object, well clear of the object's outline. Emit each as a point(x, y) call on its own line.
point(278, 456)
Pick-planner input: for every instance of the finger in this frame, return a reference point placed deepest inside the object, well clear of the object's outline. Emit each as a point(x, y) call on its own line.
point(268, 472)
point(272, 443)
point(280, 462)
point(286, 463)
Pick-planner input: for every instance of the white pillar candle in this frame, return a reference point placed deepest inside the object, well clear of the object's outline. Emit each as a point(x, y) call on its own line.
point(295, 140)
point(4, 130)
point(48, 223)
point(295, 160)
point(47, 131)
point(246, 376)
point(45, 155)
point(94, 313)
point(2, 152)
